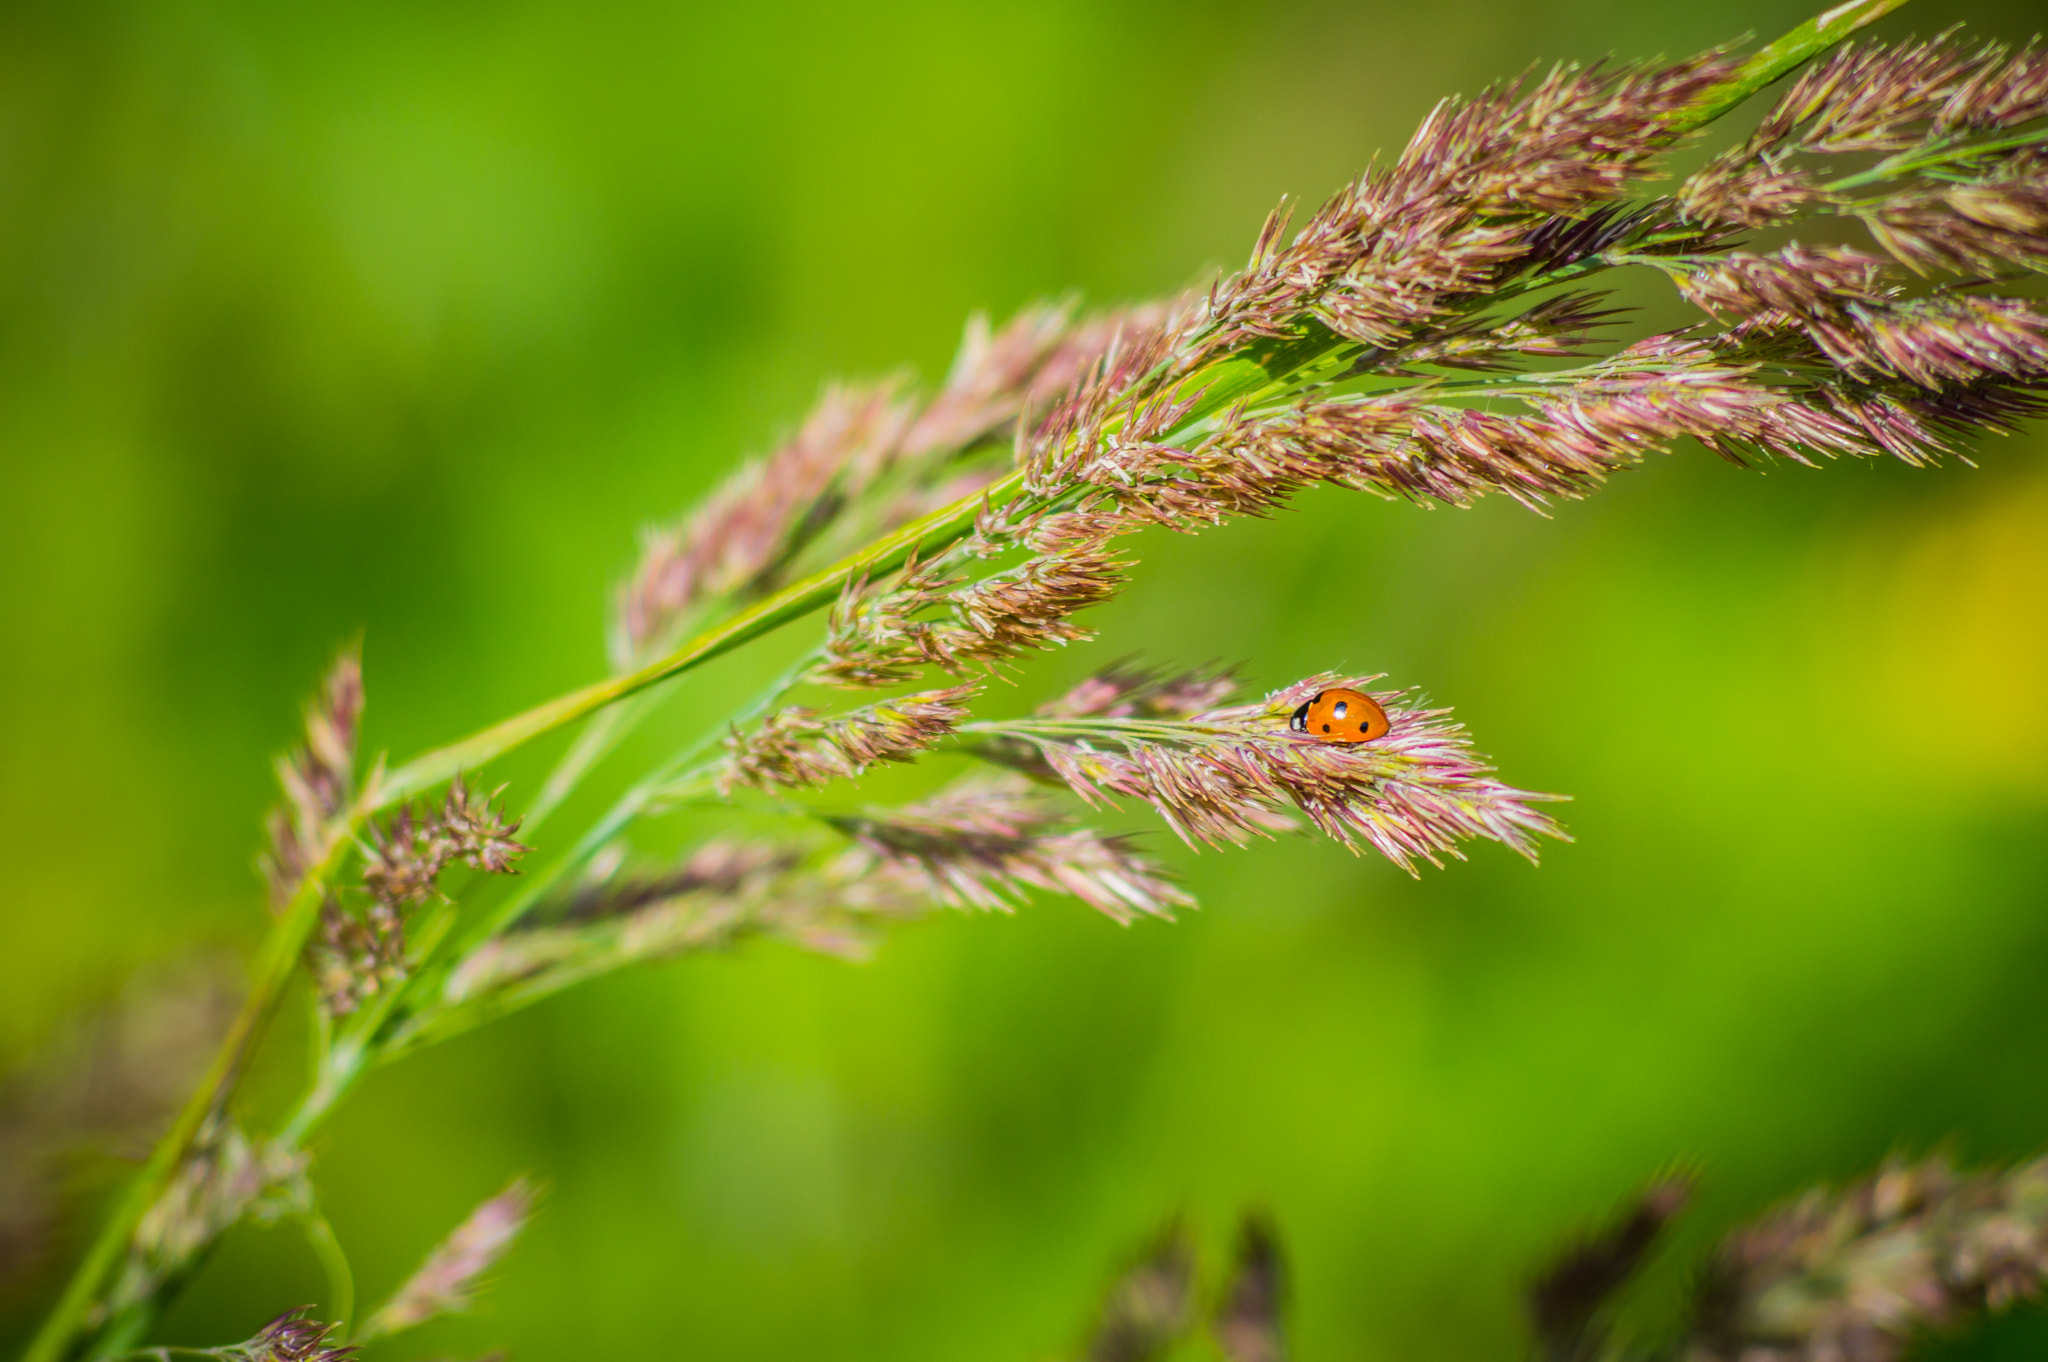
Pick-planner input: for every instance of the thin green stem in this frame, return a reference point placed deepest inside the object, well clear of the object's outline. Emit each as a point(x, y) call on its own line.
point(1779, 59)
point(630, 805)
point(278, 958)
point(431, 1028)
point(319, 1032)
point(659, 787)
point(765, 616)
point(1103, 730)
point(363, 1043)
point(598, 740)
point(592, 745)
point(355, 1049)
point(1894, 167)
point(1594, 264)
point(341, 1282)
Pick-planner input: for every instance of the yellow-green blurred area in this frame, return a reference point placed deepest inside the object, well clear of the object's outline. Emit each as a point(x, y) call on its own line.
point(407, 318)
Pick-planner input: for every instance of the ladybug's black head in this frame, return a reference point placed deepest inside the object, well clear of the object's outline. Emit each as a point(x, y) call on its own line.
point(1299, 723)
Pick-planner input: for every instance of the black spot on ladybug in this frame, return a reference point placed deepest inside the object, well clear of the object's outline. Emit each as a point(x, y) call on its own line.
point(1326, 728)
point(1340, 711)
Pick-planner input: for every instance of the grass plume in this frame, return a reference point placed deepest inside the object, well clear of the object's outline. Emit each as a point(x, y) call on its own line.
point(1437, 331)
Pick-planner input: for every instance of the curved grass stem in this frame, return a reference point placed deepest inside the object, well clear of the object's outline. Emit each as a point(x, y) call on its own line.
point(275, 964)
point(341, 1282)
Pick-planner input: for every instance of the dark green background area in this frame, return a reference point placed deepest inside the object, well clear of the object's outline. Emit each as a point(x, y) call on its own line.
point(406, 318)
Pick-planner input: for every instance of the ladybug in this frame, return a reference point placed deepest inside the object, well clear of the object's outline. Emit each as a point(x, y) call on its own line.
point(1340, 716)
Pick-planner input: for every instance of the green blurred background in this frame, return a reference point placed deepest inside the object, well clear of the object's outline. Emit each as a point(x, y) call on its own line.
point(407, 317)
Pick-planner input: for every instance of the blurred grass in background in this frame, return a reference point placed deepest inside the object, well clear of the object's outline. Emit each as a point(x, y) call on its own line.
point(405, 318)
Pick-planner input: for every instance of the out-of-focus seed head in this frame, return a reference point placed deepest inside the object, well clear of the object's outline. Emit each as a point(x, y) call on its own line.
point(1568, 1302)
point(360, 952)
point(107, 1080)
point(875, 456)
point(1864, 1273)
point(1151, 1307)
point(1000, 376)
point(447, 1282)
point(1126, 690)
point(224, 1178)
point(719, 867)
point(725, 892)
point(1249, 1325)
point(411, 849)
point(291, 1337)
point(318, 779)
point(733, 544)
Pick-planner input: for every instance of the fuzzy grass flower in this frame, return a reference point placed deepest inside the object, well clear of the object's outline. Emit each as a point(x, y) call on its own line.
point(1225, 775)
point(1439, 330)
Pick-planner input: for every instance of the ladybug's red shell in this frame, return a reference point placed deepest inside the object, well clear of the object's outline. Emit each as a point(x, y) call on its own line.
point(1340, 716)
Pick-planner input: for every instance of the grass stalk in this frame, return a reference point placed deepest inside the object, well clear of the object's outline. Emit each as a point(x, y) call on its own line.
point(276, 961)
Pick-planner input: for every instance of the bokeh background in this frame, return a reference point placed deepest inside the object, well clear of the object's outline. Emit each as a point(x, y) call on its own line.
point(406, 317)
